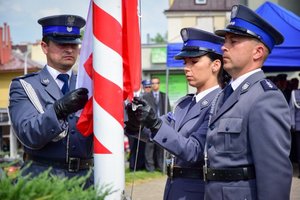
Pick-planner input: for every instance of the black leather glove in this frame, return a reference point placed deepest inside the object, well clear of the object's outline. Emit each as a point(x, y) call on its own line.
point(71, 102)
point(146, 115)
point(132, 125)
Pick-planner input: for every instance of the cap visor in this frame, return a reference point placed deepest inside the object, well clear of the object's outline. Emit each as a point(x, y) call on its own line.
point(223, 32)
point(189, 54)
point(65, 40)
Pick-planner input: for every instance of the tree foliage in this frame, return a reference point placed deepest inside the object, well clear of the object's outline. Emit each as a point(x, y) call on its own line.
point(159, 39)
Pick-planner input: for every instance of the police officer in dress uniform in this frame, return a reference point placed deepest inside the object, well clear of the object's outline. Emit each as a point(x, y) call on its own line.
point(42, 105)
point(183, 132)
point(248, 141)
point(147, 85)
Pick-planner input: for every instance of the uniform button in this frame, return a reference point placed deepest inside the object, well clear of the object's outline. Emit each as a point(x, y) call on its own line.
point(212, 127)
point(164, 140)
point(73, 131)
point(71, 116)
point(52, 131)
point(227, 128)
point(73, 147)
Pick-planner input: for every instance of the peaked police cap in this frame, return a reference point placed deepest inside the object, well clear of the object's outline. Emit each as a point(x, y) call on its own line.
point(197, 43)
point(62, 28)
point(246, 22)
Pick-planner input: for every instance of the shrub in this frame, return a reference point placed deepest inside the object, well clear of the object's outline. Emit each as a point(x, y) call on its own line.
point(47, 187)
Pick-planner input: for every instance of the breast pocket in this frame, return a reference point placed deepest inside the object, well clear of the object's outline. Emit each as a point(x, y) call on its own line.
point(229, 136)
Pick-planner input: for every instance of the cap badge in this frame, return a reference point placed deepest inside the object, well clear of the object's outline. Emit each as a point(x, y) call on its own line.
point(69, 29)
point(184, 34)
point(70, 21)
point(234, 11)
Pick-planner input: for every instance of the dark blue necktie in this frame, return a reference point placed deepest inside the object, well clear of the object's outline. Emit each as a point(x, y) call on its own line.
point(193, 102)
point(227, 92)
point(64, 78)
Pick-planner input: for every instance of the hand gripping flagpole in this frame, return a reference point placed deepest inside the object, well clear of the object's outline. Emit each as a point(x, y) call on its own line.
point(108, 97)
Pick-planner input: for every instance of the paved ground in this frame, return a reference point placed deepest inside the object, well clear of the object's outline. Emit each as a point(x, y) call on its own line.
point(153, 190)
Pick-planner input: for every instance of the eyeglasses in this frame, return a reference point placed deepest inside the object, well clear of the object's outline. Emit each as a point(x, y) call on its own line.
point(155, 82)
point(147, 87)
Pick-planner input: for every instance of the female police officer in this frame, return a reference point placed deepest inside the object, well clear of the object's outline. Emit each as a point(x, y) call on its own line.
point(183, 132)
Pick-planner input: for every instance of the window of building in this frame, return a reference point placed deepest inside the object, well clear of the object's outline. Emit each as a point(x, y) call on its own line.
point(200, 1)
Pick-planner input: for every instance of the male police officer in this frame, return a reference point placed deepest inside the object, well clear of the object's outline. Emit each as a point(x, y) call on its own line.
point(248, 141)
point(42, 105)
point(147, 86)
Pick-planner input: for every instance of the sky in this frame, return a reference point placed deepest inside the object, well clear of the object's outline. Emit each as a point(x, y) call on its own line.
point(22, 16)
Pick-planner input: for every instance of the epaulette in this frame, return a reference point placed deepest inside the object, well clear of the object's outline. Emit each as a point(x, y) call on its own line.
point(25, 76)
point(268, 85)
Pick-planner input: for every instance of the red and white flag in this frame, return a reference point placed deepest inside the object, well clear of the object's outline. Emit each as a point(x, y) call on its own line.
point(110, 67)
point(131, 53)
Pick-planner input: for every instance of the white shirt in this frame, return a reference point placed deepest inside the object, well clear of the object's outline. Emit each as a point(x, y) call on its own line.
point(54, 73)
point(204, 93)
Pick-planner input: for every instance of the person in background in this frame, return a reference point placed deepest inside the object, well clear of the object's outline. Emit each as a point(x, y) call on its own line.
point(183, 131)
point(138, 154)
point(282, 85)
point(295, 116)
point(42, 106)
point(147, 86)
point(248, 140)
point(154, 154)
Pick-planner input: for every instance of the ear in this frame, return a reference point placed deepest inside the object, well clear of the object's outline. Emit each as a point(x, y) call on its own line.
point(44, 46)
point(259, 51)
point(216, 65)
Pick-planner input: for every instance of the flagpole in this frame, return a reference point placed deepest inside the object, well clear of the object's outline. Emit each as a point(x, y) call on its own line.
point(108, 97)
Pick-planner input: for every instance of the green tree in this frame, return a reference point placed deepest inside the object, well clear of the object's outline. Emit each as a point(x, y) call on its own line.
point(159, 39)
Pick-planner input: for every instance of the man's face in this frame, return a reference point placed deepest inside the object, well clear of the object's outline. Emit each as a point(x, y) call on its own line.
point(155, 84)
point(60, 56)
point(147, 88)
point(238, 54)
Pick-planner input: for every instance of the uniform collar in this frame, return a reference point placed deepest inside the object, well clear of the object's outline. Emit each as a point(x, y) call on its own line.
point(54, 73)
point(235, 84)
point(202, 94)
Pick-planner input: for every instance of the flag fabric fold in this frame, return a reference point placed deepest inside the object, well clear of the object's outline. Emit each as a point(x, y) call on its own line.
point(131, 54)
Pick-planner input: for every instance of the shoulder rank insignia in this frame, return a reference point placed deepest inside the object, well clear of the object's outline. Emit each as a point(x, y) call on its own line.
point(268, 85)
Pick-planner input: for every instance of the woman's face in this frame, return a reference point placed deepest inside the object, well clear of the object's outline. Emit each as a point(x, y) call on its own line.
point(199, 72)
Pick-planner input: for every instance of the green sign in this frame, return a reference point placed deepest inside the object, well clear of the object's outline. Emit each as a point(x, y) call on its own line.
point(159, 55)
point(177, 86)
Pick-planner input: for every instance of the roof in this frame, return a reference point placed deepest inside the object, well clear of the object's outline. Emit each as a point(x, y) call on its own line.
point(17, 62)
point(211, 5)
